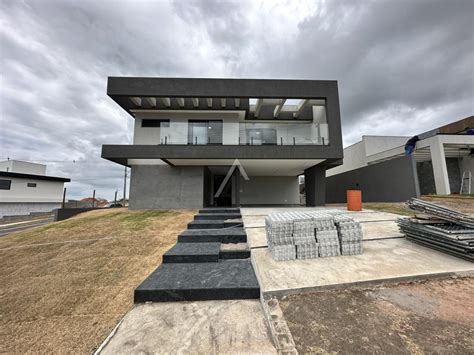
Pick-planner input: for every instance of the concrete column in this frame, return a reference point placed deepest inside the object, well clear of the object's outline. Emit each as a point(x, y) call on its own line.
point(440, 171)
point(315, 185)
point(236, 188)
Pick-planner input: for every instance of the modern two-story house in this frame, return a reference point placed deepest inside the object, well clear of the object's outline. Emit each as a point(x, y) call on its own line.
point(25, 188)
point(227, 142)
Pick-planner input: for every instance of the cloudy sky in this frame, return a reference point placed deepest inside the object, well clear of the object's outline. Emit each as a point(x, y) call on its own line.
point(403, 66)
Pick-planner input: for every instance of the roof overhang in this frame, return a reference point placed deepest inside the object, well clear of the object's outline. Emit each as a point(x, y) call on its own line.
point(123, 154)
point(258, 98)
point(33, 176)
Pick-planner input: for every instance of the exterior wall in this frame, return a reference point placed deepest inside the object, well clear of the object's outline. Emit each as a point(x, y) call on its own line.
point(16, 166)
point(25, 208)
point(466, 164)
point(178, 131)
point(45, 191)
point(394, 180)
point(377, 144)
point(269, 190)
point(354, 158)
point(426, 175)
point(426, 178)
point(454, 174)
point(158, 186)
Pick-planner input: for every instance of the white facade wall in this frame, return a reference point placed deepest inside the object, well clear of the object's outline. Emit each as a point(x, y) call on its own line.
point(377, 144)
point(354, 158)
point(270, 190)
point(22, 209)
point(356, 155)
point(16, 166)
point(45, 191)
point(178, 127)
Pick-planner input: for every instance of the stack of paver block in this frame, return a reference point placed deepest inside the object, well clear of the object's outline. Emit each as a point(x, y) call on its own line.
point(280, 236)
point(303, 234)
point(350, 235)
point(312, 234)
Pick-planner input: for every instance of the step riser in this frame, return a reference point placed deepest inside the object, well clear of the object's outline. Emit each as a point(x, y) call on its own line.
point(211, 225)
point(210, 217)
point(195, 295)
point(234, 255)
point(212, 239)
point(213, 258)
point(220, 210)
point(206, 226)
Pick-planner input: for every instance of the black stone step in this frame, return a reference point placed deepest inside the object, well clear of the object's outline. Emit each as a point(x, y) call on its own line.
point(193, 253)
point(203, 224)
point(228, 235)
point(216, 216)
point(220, 210)
point(225, 280)
point(234, 251)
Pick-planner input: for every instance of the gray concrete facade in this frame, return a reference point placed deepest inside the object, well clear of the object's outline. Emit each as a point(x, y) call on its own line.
point(394, 180)
point(161, 186)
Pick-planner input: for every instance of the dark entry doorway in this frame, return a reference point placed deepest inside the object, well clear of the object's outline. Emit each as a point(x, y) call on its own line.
point(225, 197)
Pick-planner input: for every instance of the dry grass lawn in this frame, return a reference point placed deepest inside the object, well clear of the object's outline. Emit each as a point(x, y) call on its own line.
point(65, 286)
point(459, 203)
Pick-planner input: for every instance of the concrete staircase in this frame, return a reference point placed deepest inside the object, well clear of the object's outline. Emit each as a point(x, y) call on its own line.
point(211, 261)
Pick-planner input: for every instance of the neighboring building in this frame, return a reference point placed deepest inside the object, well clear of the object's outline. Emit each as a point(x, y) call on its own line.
point(379, 166)
point(25, 188)
point(188, 133)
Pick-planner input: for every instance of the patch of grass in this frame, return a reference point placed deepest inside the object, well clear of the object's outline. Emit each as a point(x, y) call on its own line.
point(395, 207)
point(68, 293)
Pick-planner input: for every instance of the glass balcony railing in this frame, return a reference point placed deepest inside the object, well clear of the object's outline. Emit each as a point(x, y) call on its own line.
point(218, 133)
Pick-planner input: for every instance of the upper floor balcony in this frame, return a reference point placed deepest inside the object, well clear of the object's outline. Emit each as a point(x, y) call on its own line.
point(218, 132)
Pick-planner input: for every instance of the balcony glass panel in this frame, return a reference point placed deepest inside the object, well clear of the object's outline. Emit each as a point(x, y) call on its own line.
point(205, 132)
point(219, 132)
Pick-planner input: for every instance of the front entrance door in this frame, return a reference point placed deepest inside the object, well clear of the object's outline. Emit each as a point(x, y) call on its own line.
point(225, 197)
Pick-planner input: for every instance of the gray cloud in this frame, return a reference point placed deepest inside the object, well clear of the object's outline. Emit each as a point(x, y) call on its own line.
point(403, 67)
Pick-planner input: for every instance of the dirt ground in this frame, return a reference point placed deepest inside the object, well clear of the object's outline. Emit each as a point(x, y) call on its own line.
point(64, 286)
point(461, 204)
point(428, 317)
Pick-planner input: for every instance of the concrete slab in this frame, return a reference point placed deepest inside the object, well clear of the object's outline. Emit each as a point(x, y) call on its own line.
point(373, 216)
point(207, 327)
point(256, 237)
point(263, 211)
point(254, 221)
point(380, 230)
point(382, 260)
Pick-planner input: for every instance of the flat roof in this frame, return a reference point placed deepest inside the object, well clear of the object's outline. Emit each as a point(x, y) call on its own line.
point(33, 176)
point(198, 94)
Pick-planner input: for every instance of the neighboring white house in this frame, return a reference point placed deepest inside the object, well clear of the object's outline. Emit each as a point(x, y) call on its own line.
point(25, 188)
point(443, 162)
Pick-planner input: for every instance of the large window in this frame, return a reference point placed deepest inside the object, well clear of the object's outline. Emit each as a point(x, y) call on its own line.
point(155, 123)
point(5, 184)
point(205, 132)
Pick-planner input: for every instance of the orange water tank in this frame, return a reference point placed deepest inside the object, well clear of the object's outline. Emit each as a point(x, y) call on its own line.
point(354, 200)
